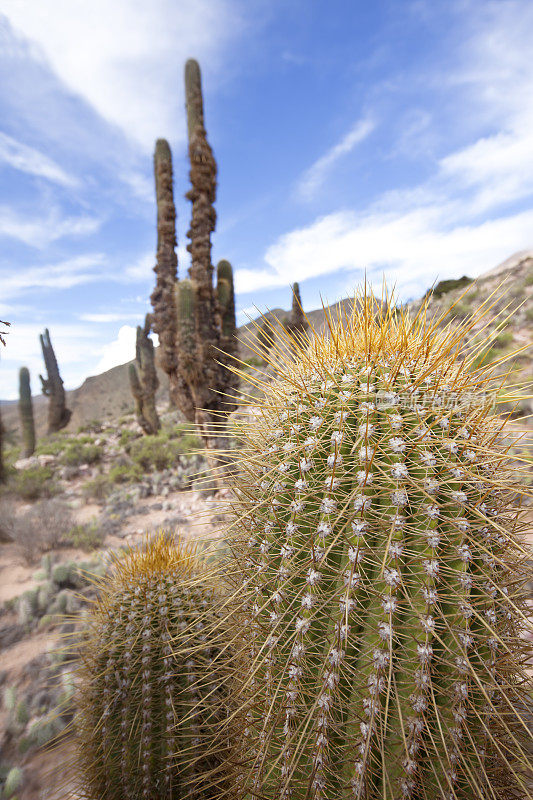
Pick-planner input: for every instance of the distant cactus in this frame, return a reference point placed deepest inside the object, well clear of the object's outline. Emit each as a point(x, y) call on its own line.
point(2, 428)
point(376, 550)
point(58, 414)
point(26, 412)
point(151, 697)
point(166, 269)
point(200, 340)
point(297, 324)
point(144, 380)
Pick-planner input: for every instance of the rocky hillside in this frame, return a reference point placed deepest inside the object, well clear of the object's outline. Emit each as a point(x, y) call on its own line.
point(107, 396)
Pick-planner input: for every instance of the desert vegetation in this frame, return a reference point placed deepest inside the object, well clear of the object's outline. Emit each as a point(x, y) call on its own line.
point(292, 589)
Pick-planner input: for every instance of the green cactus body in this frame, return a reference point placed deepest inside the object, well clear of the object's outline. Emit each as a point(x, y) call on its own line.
point(149, 717)
point(26, 412)
point(144, 380)
point(382, 580)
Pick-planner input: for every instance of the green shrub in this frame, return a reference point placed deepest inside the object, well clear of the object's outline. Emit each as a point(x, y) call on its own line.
point(126, 437)
point(77, 453)
point(160, 451)
point(98, 487)
point(254, 361)
point(503, 340)
point(34, 482)
point(93, 426)
point(86, 536)
point(461, 310)
point(529, 279)
point(53, 445)
point(529, 315)
point(449, 285)
point(125, 473)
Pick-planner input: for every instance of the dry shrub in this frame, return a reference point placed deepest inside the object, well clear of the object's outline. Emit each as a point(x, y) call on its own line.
point(42, 527)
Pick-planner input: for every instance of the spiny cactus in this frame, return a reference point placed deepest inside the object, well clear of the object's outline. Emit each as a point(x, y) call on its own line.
point(26, 412)
point(151, 695)
point(144, 380)
point(58, 414)
point(195, 320)
point(166, 270)
point(211, 385)
point(378, 558)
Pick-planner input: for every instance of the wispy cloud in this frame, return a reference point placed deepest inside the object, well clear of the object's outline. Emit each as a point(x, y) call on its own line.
point(124, 57)
point(26, 159)
point(40, 232)
point(63, 275)
point(105, 318)
point(314, 177)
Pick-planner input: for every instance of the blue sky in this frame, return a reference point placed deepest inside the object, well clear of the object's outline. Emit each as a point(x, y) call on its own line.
point(391, 137)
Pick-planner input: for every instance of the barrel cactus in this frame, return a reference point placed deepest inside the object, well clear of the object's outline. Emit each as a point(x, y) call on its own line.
point(378, 561)
point(151, 692)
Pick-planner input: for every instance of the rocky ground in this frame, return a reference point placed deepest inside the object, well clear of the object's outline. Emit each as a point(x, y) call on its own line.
point(51, 546)
point(103, 486)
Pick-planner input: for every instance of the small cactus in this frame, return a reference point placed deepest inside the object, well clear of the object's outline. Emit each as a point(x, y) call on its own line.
point(378, 558)
point(26, 413)
point(58, 414)
point(150, 708)
point(144, 380)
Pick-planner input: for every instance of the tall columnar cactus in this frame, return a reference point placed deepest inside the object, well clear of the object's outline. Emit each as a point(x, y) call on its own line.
point(2, 429)
point(211, 385)
point(58, 414)
point(26, 412)
point(297, 323)
point(144, 380)
point(378, 556)
point(166, 270)
point(151, 693)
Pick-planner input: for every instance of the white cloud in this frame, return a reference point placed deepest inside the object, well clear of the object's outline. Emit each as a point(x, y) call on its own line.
point(415, 246)
point(27, 159)
point(63, 275)
point(125, 58)
point(119, 351)
point(41, 232)
point(110, 317)
point(315, 176)
point(139, 270)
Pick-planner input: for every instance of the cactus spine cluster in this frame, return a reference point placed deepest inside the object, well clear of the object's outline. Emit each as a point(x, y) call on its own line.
point(26, 413)
point(377, 555)
point(149, 721)
point(58, 414)
point(144, 380)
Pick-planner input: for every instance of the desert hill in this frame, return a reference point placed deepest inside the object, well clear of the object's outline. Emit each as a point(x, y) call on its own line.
point(107, 396)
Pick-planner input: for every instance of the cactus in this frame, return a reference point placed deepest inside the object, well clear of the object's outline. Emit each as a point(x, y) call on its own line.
point(2, 428)
point(204, 357)
point(26, 412)
point(58, 414)
point(195, 321)
point(151, 694)
point(297, 323)
point(378, 558)
point(144, 380)
point(166, 269)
